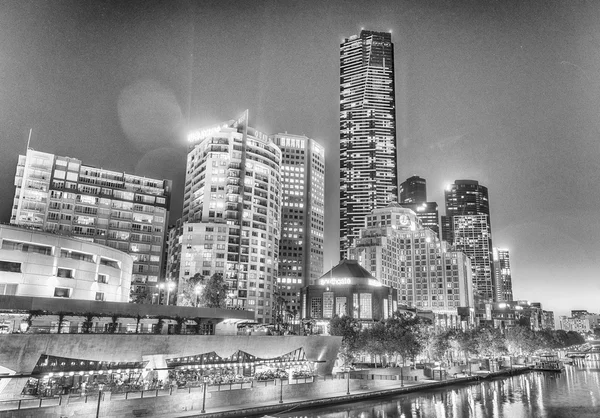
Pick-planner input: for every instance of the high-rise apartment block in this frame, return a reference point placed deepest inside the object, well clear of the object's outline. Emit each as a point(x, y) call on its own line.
point(398, 250)
point(467, 227)
point(368, 163)
point(120, 210)
point(302, 215)
point(231, 214)
point(502, 275)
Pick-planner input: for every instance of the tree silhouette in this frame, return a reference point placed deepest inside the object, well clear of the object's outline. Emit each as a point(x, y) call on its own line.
point(214, 292)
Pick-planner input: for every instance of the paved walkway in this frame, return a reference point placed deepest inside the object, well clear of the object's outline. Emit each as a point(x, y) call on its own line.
point(273, 407)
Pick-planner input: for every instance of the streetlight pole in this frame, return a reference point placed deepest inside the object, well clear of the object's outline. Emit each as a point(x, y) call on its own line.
point(98, 407)
point(280, 390)
point(204, 395)
point(348, 381)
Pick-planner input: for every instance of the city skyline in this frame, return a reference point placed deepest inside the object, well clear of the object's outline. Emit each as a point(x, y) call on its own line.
point(503, 95)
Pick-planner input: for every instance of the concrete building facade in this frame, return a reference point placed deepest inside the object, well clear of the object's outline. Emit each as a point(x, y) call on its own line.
point(43, 264)
point(396, 248)
point(231, 220)
point(120, 210)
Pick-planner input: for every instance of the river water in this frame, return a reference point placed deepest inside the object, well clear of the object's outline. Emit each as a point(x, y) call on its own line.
point(575, 393)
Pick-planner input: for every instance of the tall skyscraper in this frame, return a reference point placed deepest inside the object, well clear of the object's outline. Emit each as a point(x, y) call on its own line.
point(120, 210)
point(401, 253)
point(413, 196)
point(464, 197)
point(368, 163)
point(502, 275)
point(413, 190)
point(467, 227)
point(231, 215)
point(302, 215)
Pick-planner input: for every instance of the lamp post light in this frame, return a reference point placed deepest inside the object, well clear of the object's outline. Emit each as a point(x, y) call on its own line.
point(204, 394)
point(197, 290)
point(348, 381)
point(280, 390)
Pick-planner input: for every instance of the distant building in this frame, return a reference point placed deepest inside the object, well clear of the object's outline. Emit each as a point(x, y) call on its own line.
point(464, 197)
point(523, 313)
point(231, 220)
point(413, 196)
point(404, 255)
point(47, 265)
point(580, 321)
point(368, 161)
point(427, 213)
point(302, 215)
point(467, 228)
point(413, 190)
point(581, 325)
point(503, 276)
point(120, 210)
point(348, 289)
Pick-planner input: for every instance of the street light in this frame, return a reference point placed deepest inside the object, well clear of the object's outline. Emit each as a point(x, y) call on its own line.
point(198, 290)
point(204, 394)
point(280, 390)
point(170, 286)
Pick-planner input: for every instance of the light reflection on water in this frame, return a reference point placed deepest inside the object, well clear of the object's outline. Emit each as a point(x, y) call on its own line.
point(573, 393)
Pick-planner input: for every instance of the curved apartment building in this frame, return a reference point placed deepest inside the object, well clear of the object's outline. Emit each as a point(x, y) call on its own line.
point(231, 215)
point(44, 264)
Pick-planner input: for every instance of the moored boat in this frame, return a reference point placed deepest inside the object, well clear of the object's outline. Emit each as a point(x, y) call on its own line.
point(549, 363)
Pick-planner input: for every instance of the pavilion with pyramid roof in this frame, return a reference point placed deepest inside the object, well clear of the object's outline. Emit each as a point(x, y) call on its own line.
point(348, 289)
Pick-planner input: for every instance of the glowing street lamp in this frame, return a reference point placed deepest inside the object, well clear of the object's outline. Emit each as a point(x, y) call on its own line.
point(170, 286)
point(198, 290)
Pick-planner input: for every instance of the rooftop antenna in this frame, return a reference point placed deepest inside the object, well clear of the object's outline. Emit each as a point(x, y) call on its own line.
point(29, 139)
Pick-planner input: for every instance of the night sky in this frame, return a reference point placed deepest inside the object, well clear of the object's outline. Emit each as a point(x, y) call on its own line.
point(504, 92)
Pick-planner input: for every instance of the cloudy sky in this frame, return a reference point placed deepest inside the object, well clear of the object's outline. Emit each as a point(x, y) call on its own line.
point(504, 92)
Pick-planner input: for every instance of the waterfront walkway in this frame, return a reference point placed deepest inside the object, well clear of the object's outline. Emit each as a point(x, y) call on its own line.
point(381, 388)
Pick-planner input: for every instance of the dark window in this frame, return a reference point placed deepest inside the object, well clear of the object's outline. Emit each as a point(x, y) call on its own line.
point(10, 266)
point(109, 263)
point(64, 273)
point(62, 292)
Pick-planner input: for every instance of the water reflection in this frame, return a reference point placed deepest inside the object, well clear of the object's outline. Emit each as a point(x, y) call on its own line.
point(574, 393)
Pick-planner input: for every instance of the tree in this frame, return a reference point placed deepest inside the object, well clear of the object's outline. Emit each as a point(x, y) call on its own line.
point(349, 329)
point(214, 292)
point(179, 324)
point(113, 326)
point(522, 340)
point(490, 342)
point(86, 326)
point(191, 289)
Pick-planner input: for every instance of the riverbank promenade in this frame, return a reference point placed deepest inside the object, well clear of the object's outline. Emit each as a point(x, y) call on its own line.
point(361, 390)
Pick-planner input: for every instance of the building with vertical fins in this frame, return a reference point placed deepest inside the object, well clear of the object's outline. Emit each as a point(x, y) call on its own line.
point(302, 215)
point(413, 195)
point(396, 248)
point(502, 275)
point(467, 227)
point(231, 220)
point(112, 208)
point(368, 163)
